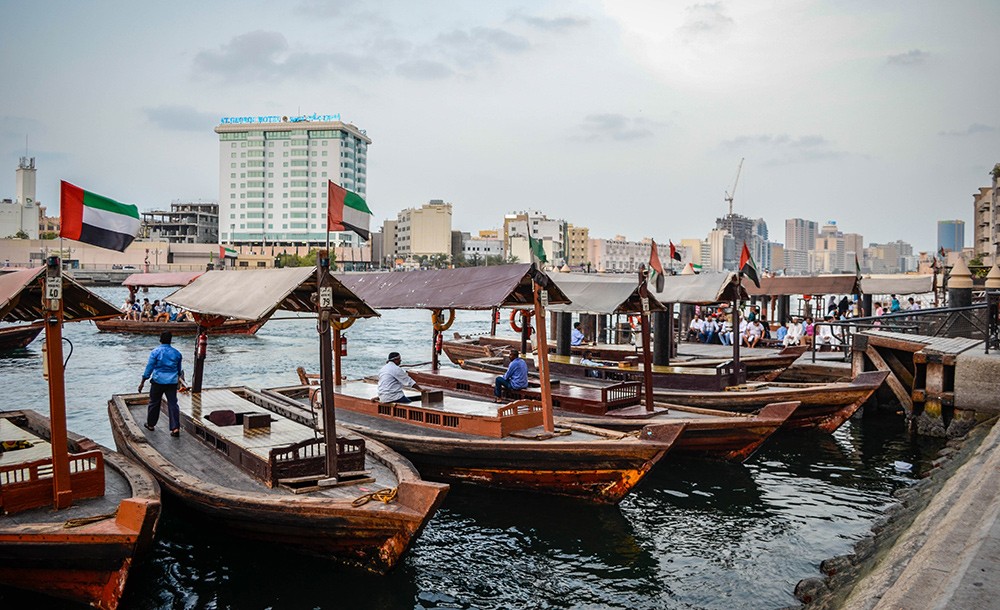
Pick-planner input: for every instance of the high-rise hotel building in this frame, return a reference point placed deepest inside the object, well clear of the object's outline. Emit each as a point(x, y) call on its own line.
point(273, 176)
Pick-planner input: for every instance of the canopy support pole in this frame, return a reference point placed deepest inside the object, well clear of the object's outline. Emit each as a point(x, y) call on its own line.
point(62, 491)
point(336, 356)
point(200, 348)
point(543, 360)
point(647, 357)
point(737, 336)
point(324, 310)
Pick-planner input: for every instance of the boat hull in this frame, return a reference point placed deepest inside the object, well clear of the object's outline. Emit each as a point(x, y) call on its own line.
point(371, 539)
point(90, 563)
point(18, 337)
point(142, 327)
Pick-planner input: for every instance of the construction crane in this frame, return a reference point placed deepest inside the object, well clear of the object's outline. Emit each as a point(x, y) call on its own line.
point(730, 194)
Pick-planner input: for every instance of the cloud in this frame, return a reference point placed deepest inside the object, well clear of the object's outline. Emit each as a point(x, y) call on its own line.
point(555, 24)
point(971, 130)
point(783, 149)
point(266, 56)
point(478, 46)
point(705, 18)
point(17, 127)
point(423, 69)
point(181, 118)
point(913, 57)
point(616, 127)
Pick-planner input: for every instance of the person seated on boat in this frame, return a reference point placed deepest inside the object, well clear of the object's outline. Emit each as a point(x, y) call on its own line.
point(808, 330)
point(163, 314)
point(709, 329)
point(392, 379)
point(781, 333)
point(182, 316)
point(794, 335)
point(767, 328)
point(695, 328)
point(755, 331)
point(576, 337)
point(588, 360)
point(147, 310)
point(516, 377)
point(165, 374)
point(825, 334)
point(726, 331)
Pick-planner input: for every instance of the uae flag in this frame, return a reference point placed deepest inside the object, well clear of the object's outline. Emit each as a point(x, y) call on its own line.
point(656, 267)
point(96, 220)
point(225, 253)
point(537, 249)
point(347, 211)
point(747, 266)
point(674, 254)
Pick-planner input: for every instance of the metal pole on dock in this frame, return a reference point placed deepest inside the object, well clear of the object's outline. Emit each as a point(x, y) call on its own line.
point(647, 365)
point(737, 337)
point(62, 491)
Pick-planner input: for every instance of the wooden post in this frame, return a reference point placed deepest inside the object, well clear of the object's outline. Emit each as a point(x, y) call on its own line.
point(324, 309)
point(526, 331)
point(336, 355)
point(62, 491)
point(736, 331)
point(647, 359)
point(543, 361)
point(493, 321)
point(200, 348)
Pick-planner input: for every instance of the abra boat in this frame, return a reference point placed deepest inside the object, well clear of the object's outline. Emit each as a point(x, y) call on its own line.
point(241, 464)
point(19, 336)
point(189, 327)
point(75, 515)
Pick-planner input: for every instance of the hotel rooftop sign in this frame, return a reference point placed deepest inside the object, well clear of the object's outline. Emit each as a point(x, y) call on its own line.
point(274, 118)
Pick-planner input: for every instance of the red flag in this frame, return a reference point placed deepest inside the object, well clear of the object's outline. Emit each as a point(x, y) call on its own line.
point(654, 259)
point(747, 266)
point(674, 254)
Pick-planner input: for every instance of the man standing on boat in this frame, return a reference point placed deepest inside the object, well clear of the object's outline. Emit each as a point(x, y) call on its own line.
point(392, 379)
point(165, 374)
point(516, 377)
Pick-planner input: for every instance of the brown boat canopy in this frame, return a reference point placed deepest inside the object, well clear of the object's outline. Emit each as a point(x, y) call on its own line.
point(805, 284)
point(601, 294)
point(21, 298)
point(897, 284)
point(703, 289)
point(161, 280)
point(463, 288)
point(255, 294)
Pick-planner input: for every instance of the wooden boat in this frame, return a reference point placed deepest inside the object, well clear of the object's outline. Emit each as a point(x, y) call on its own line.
point(148, 327)
point(83, 553)
point(505, 446)
point(75, 515)
point(707, 433)
point(190, 327)
point(241, 464)
point(18, 337)
point(258, 478)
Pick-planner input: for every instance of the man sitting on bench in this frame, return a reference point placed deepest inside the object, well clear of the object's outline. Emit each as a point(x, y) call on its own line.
point(516, 377)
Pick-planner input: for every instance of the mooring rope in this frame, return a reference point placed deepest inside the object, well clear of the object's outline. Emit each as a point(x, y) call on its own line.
point(88, 520)
point(382, 495)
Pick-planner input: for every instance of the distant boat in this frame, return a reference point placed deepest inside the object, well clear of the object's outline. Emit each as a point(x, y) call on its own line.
point(19, 336)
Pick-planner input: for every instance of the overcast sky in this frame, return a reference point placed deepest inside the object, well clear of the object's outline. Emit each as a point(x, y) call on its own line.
point(626, 117)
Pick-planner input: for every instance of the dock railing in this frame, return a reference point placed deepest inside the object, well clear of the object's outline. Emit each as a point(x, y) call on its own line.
point(977, 321)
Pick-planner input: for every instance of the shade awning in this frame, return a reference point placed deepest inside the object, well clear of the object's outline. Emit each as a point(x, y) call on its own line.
point(21, 298)
point(255, 294)
point(703, 289)
point(897, 284)
point(464, 288)
point(805, 284)
point(161, 280)
point(601, 294)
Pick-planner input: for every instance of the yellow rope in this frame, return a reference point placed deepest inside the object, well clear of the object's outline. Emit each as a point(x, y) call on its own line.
point(88, 520)
point(382, 495)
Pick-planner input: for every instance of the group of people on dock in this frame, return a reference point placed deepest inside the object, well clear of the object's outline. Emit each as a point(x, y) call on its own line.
point(156, 311)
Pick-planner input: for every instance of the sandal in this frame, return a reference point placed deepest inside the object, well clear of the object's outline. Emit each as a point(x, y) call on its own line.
point(148, 427)
point(175, 433)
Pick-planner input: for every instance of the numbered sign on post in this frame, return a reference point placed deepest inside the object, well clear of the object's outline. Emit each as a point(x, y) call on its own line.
point(326, 297)
point(53, 288)
point(645, 306)
point(544, 296)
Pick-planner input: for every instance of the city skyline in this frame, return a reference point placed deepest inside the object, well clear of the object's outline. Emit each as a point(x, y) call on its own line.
point(616, 116)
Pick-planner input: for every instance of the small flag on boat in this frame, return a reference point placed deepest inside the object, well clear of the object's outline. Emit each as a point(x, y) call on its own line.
point(226, 252)
point(747, 266)
point(537, 250)
point(857, 266)
point(347, 211)
point(656, 267)
point(674, 254)
point(96, 220)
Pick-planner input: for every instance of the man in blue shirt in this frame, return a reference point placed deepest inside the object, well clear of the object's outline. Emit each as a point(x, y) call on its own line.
point(576, 337)
point(516, 377)
point(164, 370)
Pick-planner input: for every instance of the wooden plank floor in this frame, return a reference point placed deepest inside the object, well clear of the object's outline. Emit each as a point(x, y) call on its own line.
point(451, 404)
point(559, 390)
point(942, 345)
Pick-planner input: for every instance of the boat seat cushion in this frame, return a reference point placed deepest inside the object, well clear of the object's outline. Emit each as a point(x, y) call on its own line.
point(222, 417)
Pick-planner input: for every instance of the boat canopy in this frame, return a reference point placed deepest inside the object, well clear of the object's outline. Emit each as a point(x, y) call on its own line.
point(601, 294)
point(805, 284)
point(463, 288)
point(21, 298)
point(255, 294)
point(703, 289)
point(897, 284)
point(161, 280)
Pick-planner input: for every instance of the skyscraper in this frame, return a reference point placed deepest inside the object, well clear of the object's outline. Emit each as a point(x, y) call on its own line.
point(951, 235)
point(273, 174)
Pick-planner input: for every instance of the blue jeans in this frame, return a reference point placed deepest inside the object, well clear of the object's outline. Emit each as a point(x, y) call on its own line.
point(156, 393)
point(500, 385)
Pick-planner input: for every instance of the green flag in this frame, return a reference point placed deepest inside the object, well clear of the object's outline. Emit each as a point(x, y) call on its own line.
point(537, 250)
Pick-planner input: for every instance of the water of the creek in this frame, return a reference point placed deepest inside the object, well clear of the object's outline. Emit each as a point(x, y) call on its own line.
point(693, 534)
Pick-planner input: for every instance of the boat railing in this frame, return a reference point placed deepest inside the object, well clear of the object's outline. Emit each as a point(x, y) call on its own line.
point(622, 394)
point(28, 485)
point(308, 458)
point(519, 407)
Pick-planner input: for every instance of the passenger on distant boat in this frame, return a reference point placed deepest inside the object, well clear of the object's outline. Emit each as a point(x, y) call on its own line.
point(166, 375)
point(576, 337)
point(824, 334)
point(147, 310)
point(754, 332)
point(794, 336)
point(587, 360)
point(392, 379)
point(183, 316)
point(781, 333)
point(163, 313)
point(516, 377)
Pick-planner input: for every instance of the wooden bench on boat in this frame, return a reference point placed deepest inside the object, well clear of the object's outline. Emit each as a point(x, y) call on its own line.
point(274, 450)
point(689, 378)
point(26, 474)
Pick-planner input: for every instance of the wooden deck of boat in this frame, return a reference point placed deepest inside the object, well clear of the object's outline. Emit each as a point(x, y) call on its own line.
point(672, 370)
point(560, 391)
point(116, 487)
point(198, 459)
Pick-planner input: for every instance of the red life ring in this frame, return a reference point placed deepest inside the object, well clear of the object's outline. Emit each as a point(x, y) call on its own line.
point(439, 342)
point(635, 322)
point(514, 313)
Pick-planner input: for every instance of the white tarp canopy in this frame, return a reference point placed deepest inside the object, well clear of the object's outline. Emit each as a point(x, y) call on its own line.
point(600, 294)
point(703, 289)
point(255, 294)
point(897, 284)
